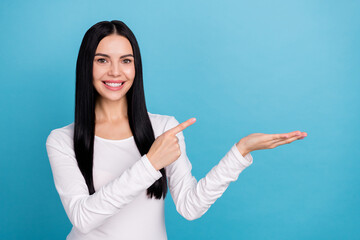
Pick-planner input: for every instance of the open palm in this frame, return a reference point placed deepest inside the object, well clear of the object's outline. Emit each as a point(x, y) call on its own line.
point(257, 141)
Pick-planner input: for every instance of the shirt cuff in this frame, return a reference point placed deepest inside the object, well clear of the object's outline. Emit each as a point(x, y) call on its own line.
point(246, 161)
point(150, 168)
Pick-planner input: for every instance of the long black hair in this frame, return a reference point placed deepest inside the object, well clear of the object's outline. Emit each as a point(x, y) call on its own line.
point(86, 95)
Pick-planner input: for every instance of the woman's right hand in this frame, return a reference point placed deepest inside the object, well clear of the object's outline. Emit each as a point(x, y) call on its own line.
point(166, 149)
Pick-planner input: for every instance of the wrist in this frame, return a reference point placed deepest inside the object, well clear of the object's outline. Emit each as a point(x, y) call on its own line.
point(153, 163)
point(243, 151)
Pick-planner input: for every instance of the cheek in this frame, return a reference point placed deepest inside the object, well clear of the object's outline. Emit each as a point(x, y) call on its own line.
point(130, 72)
point(96, 72)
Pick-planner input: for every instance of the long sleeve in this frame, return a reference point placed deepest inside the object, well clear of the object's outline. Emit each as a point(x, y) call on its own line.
point(85, 211)
point(192, 198)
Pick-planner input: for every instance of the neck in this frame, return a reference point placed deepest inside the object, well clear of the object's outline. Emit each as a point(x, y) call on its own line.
point(111, 111)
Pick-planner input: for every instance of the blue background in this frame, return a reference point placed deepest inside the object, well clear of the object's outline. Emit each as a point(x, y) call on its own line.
point(239, 67)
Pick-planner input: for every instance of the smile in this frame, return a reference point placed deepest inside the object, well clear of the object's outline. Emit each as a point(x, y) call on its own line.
point(112, 85)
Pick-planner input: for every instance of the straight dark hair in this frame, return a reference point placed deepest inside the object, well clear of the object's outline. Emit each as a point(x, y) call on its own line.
point(85, 98)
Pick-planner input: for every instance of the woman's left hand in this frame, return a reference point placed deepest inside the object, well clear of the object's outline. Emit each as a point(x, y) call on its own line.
point(257, 141)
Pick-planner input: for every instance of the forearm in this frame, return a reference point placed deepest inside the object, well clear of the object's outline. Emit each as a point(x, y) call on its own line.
point(193, 199)
point(85, 211)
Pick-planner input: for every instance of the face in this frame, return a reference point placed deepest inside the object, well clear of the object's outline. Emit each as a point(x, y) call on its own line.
point(113, 67)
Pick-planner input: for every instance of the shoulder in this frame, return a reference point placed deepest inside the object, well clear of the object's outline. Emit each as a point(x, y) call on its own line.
point(62, 135)
point(161, 122)
point(160, 119)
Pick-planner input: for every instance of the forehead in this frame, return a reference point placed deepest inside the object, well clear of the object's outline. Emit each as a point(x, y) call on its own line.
point(114, 45)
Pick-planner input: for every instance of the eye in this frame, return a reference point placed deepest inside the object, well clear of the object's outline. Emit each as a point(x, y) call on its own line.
point(101, 60)
point(127, 60)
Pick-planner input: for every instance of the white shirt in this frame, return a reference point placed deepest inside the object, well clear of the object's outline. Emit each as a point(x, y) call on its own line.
point(120, 208)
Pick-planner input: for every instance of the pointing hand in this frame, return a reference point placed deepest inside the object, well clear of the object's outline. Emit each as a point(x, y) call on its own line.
point(166, 149)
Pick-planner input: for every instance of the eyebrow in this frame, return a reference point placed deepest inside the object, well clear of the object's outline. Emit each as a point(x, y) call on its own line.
point(105, 55)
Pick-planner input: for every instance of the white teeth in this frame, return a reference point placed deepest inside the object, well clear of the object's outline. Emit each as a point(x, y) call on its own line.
point(114, 84)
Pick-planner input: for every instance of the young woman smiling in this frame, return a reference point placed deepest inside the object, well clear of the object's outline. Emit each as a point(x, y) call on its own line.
point(112, 166)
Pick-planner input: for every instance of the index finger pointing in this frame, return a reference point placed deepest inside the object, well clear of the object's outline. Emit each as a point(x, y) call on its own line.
point(181, 126)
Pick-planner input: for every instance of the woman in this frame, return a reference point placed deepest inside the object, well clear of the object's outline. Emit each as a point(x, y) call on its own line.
point(112, 166)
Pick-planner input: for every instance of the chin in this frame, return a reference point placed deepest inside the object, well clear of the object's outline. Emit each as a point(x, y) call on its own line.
point(115, 99)
point(111, 97)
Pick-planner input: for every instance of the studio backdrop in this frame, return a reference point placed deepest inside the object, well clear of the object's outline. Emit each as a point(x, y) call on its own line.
point(239, 67)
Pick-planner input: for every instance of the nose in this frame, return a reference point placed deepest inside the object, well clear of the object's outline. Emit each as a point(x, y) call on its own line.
point(115, 70)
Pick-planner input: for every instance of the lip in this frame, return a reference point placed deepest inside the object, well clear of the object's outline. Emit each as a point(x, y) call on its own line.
point(113, 81)
point(114, 88)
